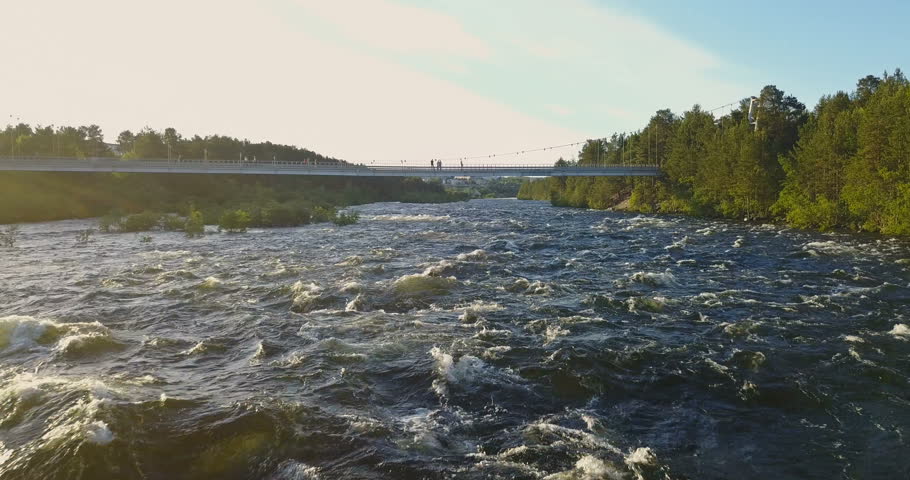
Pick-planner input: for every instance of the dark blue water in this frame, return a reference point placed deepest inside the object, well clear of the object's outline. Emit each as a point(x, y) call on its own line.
point(488, 339)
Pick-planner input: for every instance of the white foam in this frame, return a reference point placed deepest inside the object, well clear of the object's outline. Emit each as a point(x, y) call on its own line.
point(351, 261)
point(352, 287)
point(438, 269)
point(292, 470)
point(411, 218)
point(210, 283)
point(641, 456)
point(422, 283)
point(901, 331)
point(495, 353)
point(589, 467)
point(548, 433)
point(356, 304)
point(679, 244)
point(5, 454)
point(654, 279)
point(97, 432)
point(198, 348)
point(641, 221)
point(475, 256)
point(473, 310)
point(466, 370)
point(18, 332)
point(78, 423)
point(305, 295)
point(83, 341)
point(536, 287)
point(829, 247)
point(553, 332)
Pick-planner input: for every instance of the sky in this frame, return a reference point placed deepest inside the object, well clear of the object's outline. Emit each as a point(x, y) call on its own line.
point(385, 81)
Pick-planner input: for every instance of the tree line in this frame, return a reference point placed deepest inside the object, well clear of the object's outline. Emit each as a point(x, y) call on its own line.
point(269, 200)
point(844, 164)
point(88, 141)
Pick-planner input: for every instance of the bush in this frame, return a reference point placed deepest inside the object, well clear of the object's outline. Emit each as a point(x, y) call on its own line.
point(234, 221)
point(110, 222)
point(322, 214)
point(278, 216)
point(194, 225)
point(140, 222)
point(343, 219)
point(172, 223)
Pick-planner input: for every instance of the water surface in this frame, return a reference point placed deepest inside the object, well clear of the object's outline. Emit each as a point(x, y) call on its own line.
point(487, 339)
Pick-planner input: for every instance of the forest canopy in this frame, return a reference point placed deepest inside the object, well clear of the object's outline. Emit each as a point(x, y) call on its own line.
point(844, 164)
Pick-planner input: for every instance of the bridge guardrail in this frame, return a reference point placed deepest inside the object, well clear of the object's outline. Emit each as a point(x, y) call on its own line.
point(165, 165)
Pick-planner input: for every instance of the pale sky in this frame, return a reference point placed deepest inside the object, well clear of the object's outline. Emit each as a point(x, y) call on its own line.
point(362, 80)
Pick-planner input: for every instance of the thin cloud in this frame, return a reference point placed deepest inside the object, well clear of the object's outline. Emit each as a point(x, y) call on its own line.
point(401, 28)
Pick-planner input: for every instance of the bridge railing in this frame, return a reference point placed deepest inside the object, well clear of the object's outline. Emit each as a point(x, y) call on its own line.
point(165, 161)
point(175, 165)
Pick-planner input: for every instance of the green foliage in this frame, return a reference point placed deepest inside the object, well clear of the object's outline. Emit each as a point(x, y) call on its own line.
point(346, 218)
point(270, 200)
point(194, 226)
point(843, 165)
point(139, 222)
point(535, 189)
point(172, 223)
point(145, 239)
point(9, 236)
point(234, 221)
point(110, 222)
point(322, 214)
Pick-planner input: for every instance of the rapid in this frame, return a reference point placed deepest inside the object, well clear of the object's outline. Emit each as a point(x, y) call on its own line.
point(482, 339)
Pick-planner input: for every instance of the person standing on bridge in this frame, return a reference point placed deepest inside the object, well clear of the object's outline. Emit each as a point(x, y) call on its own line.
point(439, 165)
point(432, 164)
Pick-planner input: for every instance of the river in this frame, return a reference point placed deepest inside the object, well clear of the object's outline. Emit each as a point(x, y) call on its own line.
point(485, 339)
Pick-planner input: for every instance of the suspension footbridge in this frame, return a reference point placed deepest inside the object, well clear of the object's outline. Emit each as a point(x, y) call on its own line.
point(239, 167)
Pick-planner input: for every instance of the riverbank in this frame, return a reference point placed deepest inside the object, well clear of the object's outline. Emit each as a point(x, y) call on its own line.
point(276, 201)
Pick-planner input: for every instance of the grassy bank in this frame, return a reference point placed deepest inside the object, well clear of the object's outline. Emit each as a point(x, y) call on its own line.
point(269, 200)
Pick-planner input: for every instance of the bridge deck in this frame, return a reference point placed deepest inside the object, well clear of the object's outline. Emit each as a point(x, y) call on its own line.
point(292, 168)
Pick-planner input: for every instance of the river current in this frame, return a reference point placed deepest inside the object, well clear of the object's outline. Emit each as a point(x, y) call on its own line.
point(485, 339)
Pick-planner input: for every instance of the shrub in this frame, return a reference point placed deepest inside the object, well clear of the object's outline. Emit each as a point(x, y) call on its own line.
point(322, 214)
point(194, 225)
point(278, 216)
point(343, 219)
point(303, 215)
point(140, 222)
point(172, 223)
point(110, 222)
point(234, 221)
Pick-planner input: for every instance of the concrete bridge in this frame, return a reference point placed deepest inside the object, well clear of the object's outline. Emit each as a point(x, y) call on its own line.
point(45, 164)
